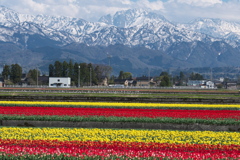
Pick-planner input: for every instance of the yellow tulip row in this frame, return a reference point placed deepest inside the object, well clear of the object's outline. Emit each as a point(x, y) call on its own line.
point(124, 135)
point(109, 104)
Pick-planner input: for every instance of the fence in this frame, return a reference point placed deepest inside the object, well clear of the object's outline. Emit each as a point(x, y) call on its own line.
point(102, 87)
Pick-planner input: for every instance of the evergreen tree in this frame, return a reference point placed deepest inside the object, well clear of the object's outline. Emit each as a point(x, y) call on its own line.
point(181, 78)
point(84, 74)
point(120, 76)
point(6, 72)
point(98, 74)
point(70, 69)
point(16, 73)
point(51, 70)
point(196, 76)
point(165, 79)
point(75, 74)
point(58, 69)
point(127, 75)
point(65, 69)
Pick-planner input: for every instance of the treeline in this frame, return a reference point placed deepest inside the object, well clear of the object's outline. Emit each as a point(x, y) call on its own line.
point(12, 73)
point(178, 80)
point(88, 74)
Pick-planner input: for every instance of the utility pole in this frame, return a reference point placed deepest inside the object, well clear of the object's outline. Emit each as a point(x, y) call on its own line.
point(211, 75)
point(37, 76)
point(149, 77)
point(79, 76)
point(90, 82)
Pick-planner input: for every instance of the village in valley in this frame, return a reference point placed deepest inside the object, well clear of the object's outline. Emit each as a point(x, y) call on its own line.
point(69, 75)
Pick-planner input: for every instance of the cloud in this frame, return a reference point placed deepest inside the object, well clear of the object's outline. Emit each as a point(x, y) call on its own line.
point(49, 7)
point(154, 5)
point(187, 10)
point(89, 10)
point(92, 10)
point(100, 8)
point(202, 3)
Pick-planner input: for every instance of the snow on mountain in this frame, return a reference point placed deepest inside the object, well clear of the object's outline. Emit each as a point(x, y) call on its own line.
point(135, 27)
point(48, 25)
point(214, 27)
point(150, 30)
point(203, 42)
point(132, 18)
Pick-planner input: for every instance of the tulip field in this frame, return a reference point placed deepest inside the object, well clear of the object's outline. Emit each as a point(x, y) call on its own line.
point(118, 143)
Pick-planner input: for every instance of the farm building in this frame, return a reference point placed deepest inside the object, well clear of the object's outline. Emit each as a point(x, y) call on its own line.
point(59, 81)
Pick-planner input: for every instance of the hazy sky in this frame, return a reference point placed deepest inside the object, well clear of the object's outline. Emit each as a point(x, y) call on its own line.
point(92, 10)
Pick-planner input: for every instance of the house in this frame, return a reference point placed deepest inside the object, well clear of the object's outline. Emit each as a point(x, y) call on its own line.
point(24, 80)
point(23, 77)
point(201, 83)
point(103, 81)
point(218, 83)
point(210, 84)
point(145, 81)
point(59, 81)
point(196, 83)
point(221, 79)
point(125, 82)
point(230, 85)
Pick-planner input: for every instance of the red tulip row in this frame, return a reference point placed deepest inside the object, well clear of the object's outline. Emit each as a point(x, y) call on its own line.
point(118, 112)
point(119, 149)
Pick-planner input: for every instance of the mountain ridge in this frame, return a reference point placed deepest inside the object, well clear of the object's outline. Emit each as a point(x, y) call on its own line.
point(201, 43)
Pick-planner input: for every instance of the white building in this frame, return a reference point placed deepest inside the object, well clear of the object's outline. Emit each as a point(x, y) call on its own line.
point(210, 84)
point(59, 81)
point(201, 83)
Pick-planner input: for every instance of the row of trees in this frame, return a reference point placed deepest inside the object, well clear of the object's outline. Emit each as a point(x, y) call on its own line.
point(89, 74)
point(179, 80)
point(12, 73)
point(124, 75)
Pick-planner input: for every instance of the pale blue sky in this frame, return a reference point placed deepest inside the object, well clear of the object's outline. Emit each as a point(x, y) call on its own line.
point(92, 10)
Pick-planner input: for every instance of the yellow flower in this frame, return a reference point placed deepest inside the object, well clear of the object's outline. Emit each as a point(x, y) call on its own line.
point(125, 135)
point(113, 104)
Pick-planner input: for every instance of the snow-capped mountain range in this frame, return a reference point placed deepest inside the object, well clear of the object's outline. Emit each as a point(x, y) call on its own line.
point(131, 28)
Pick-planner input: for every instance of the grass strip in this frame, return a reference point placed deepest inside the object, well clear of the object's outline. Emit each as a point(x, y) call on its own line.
point(122, 119)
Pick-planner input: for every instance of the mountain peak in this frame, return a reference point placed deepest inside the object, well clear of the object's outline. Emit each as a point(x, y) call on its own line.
point(131, 18)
